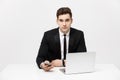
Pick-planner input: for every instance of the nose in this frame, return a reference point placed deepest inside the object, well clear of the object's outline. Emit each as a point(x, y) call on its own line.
point(64, 23)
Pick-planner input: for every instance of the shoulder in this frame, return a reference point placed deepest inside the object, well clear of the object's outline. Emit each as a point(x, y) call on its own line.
point(76, 31)
point(51, 32)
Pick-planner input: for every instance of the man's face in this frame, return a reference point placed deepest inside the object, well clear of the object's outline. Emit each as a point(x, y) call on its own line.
point(64, 21)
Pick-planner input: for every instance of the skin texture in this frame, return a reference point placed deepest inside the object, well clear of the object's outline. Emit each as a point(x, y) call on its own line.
point(64, 21)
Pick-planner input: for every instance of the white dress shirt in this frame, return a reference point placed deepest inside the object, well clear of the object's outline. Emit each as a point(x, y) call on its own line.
point(61, 34)
point(62, 42)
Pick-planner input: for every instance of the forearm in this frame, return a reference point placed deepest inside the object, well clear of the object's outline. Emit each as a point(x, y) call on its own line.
point(39, 61)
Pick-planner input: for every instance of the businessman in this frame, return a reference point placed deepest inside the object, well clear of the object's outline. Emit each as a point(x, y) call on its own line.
point(58, 42)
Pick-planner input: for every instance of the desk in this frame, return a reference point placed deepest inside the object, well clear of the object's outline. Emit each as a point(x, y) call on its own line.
point(31, 72)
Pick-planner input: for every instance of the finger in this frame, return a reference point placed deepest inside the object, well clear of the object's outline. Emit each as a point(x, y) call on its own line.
point(48, 68)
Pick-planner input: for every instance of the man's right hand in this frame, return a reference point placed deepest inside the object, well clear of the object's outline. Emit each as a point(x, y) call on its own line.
point(46, 66)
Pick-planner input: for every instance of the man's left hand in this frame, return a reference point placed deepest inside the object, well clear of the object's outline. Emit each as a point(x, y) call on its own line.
point(57, 63)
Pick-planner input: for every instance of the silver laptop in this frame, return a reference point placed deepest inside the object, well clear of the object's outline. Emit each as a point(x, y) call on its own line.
point(82, 62)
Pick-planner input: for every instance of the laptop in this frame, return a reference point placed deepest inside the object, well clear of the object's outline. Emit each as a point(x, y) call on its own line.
point(80, 62)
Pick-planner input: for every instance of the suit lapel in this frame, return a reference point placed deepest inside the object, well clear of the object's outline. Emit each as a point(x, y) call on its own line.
point(57, 41)
point(71, 40)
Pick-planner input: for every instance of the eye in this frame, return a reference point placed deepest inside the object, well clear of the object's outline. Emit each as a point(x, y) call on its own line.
point(67, 20)
point(60, 20)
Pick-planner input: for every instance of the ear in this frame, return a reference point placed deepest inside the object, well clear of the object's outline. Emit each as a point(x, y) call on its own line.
point(57, 20)
point(72, 20)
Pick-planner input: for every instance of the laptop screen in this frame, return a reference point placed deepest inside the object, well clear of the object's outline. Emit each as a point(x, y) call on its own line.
point(80, 62)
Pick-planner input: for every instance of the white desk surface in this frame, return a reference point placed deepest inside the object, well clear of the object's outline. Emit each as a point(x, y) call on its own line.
point(31, 72)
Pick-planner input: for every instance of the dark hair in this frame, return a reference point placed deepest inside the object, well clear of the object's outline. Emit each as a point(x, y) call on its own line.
point(64, 10)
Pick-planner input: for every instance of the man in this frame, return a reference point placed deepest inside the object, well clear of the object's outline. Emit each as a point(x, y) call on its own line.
point(60, 41)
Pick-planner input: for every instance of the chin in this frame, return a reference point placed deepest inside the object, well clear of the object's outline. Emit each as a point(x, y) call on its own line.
point(64, 30)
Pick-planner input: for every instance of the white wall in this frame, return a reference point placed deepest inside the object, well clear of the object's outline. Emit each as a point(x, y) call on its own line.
point(23, 22)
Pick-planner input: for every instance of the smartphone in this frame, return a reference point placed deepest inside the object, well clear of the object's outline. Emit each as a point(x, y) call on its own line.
point(48, 64)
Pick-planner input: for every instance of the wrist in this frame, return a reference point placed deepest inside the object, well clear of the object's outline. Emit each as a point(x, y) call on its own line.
point(41, 65)
point(63, 63)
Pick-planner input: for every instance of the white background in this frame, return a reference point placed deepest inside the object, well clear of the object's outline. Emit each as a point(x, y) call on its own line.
point(23, 22)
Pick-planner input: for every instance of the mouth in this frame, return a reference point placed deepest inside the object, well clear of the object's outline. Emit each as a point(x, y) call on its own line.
point(64, 27)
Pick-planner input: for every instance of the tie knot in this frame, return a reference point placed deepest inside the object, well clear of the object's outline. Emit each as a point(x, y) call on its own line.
point(64, 34)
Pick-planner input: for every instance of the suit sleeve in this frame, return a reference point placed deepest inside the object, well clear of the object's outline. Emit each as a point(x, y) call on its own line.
point(81, 44)
point(43, 51)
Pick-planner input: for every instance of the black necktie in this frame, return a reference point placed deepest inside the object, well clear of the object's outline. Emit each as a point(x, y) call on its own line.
point(64, 47)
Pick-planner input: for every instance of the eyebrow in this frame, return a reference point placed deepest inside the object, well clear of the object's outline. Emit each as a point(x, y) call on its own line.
point(65, 19)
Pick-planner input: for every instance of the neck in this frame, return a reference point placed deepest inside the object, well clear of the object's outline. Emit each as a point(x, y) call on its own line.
point(65, 32)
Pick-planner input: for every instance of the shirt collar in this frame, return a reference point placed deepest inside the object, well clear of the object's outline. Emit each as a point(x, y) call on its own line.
point(62, 34)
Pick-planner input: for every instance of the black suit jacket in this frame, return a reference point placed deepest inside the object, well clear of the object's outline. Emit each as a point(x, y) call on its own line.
point(50, 46)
